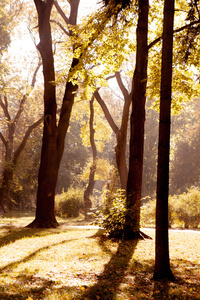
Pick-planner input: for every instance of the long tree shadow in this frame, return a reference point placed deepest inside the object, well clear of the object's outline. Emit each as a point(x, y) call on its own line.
point(13, 234)
point(33, 254)
point(114, 271)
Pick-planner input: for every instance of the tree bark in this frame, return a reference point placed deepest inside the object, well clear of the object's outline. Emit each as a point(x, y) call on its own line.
point(134, 183)
point(162, 263)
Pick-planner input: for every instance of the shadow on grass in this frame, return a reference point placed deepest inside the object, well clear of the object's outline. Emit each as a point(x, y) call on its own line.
point(35, 287)
point(33, 254)
point(114, 271)
point(12, 234)
point(185, 287)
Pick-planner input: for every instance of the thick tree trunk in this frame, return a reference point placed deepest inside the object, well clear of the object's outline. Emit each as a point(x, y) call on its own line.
point(53, 136)
point(134, 184)
point(48, 171)
point(162, 262)
point(89, 189)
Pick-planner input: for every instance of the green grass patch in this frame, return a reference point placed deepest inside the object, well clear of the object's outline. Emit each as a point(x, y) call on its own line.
point(78, 262)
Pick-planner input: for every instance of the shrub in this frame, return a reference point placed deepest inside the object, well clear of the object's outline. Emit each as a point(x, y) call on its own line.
point(186, 208)
point(113, 217)
point(148, 213)
point(69, 203)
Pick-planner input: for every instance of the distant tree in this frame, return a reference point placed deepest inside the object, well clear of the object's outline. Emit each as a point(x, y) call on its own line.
point(90, 186)
point(162, 264)
point(12, 153)
point(4, 31)
point(185, 160)
point(150, 153)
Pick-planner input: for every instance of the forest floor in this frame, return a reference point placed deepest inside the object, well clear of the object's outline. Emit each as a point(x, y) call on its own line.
point(76, 261)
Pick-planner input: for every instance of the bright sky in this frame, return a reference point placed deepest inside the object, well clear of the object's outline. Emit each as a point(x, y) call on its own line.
point(23, 45)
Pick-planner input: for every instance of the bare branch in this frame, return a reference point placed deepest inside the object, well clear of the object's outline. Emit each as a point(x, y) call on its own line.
point(35, 73)
point(26, 136)
point(61, 13)
point(107, 114)
point(21, 107)
point(122, 86)
point(61, 26)
point(3, 139)
point(5, 107)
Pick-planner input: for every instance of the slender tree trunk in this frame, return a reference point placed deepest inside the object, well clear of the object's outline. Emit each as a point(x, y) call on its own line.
point(121, 136)
point(121, 133)
point(162, 262)
point(89, 189)
point(4, 190)
point(134, 184)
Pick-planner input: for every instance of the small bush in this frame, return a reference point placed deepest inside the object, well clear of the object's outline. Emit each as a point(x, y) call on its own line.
point(113, 217)
point(69, 203)
point(148, 213)
point(186, 208)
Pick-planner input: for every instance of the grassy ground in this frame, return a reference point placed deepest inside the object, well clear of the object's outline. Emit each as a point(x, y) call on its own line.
point(79, 263)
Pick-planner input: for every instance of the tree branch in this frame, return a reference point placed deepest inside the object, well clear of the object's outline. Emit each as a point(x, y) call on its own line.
point(3, 139)
point(26, 136)
point(21, 106)
point(107, 114)
point(122, 86)
point(61, 13)
point(35, 73)
point(61, 26)
point(5, 107)
point(175, 31)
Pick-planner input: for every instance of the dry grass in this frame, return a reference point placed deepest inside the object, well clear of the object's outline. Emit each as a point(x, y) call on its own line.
point(79, 263)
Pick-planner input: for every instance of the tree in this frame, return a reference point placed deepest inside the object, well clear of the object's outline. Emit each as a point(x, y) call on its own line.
point(120, 132)
point(150, 153)
point(134, 183)
point(89, 189)
point(162, 263)
point(12, 153)
point(185, 143)
point(53, 134)
point(4, 32)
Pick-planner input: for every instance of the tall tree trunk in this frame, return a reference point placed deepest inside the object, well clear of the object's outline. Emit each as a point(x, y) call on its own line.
point(53, 136)
point(134, 184)
point(162, 262)
point(48, 170)
point(89, 189)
